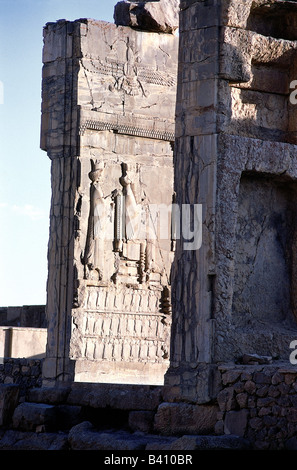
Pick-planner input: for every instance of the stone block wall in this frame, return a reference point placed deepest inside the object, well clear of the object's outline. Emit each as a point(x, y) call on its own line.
point(23, 332)
point(25, 316)
point(18, 342)
point(26, 373)
point(259, 403)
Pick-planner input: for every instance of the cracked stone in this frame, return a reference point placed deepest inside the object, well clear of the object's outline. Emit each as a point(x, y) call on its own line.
point(161, 17)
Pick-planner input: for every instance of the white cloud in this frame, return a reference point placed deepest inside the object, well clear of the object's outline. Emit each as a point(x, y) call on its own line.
point(28, 210)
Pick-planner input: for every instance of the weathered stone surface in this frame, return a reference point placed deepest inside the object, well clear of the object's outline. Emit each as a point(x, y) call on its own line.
point(180, 418)
point(85, 437)
point(158, 16)
point(205, 376)
point(256, 359)
point(27, 416)
point(125, 397)
point(49, 396)
point(226, 399)
point(26, 373)
point(18, 440)
point(236, 422)
point(68, 416)
point(210, 443)
point(141, 421)
point(230, 376)
point(19, 342)
point(9, 395)
point(291, 444)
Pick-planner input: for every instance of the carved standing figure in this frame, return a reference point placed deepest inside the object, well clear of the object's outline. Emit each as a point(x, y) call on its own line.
point(135, 230)
point(132, 209)
point(94, 250)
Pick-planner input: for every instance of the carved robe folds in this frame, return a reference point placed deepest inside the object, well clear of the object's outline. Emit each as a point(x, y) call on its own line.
point(94, 253)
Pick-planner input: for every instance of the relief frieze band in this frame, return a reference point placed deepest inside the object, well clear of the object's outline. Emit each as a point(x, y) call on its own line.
point(121, 336)
point(119, 124)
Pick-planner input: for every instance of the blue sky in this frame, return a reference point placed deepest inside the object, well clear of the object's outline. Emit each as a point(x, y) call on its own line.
point(25, 169)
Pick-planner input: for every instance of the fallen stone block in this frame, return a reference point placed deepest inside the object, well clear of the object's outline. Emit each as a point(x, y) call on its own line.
point(141, 421)
point(50, 396)
point(9, 395)
point(183, 418)
point(28, 416)
point(189, 442)
point(210, 443)
point(20, 440)
point(85, 437)
point(161, 16)
point(127, 397)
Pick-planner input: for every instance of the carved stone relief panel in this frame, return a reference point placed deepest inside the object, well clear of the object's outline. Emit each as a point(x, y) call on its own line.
point(126, 74)
point(124, 224)
point(122, 305)
point(115, 337)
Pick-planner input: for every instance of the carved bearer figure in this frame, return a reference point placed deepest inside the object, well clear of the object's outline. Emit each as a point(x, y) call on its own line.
point(136, 238)
point(94, 250)
point(132, 209)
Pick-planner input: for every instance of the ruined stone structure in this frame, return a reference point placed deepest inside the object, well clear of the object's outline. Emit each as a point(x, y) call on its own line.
point(130, 127)
point(108, 127)
point(235, 146)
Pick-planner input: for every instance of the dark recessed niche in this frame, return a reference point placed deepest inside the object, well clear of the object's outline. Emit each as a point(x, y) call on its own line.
point(266, 241)
point(278, 20)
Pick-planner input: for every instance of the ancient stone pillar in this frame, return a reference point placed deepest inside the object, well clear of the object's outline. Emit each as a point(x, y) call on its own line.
point(108, 127)
point(236, 152)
